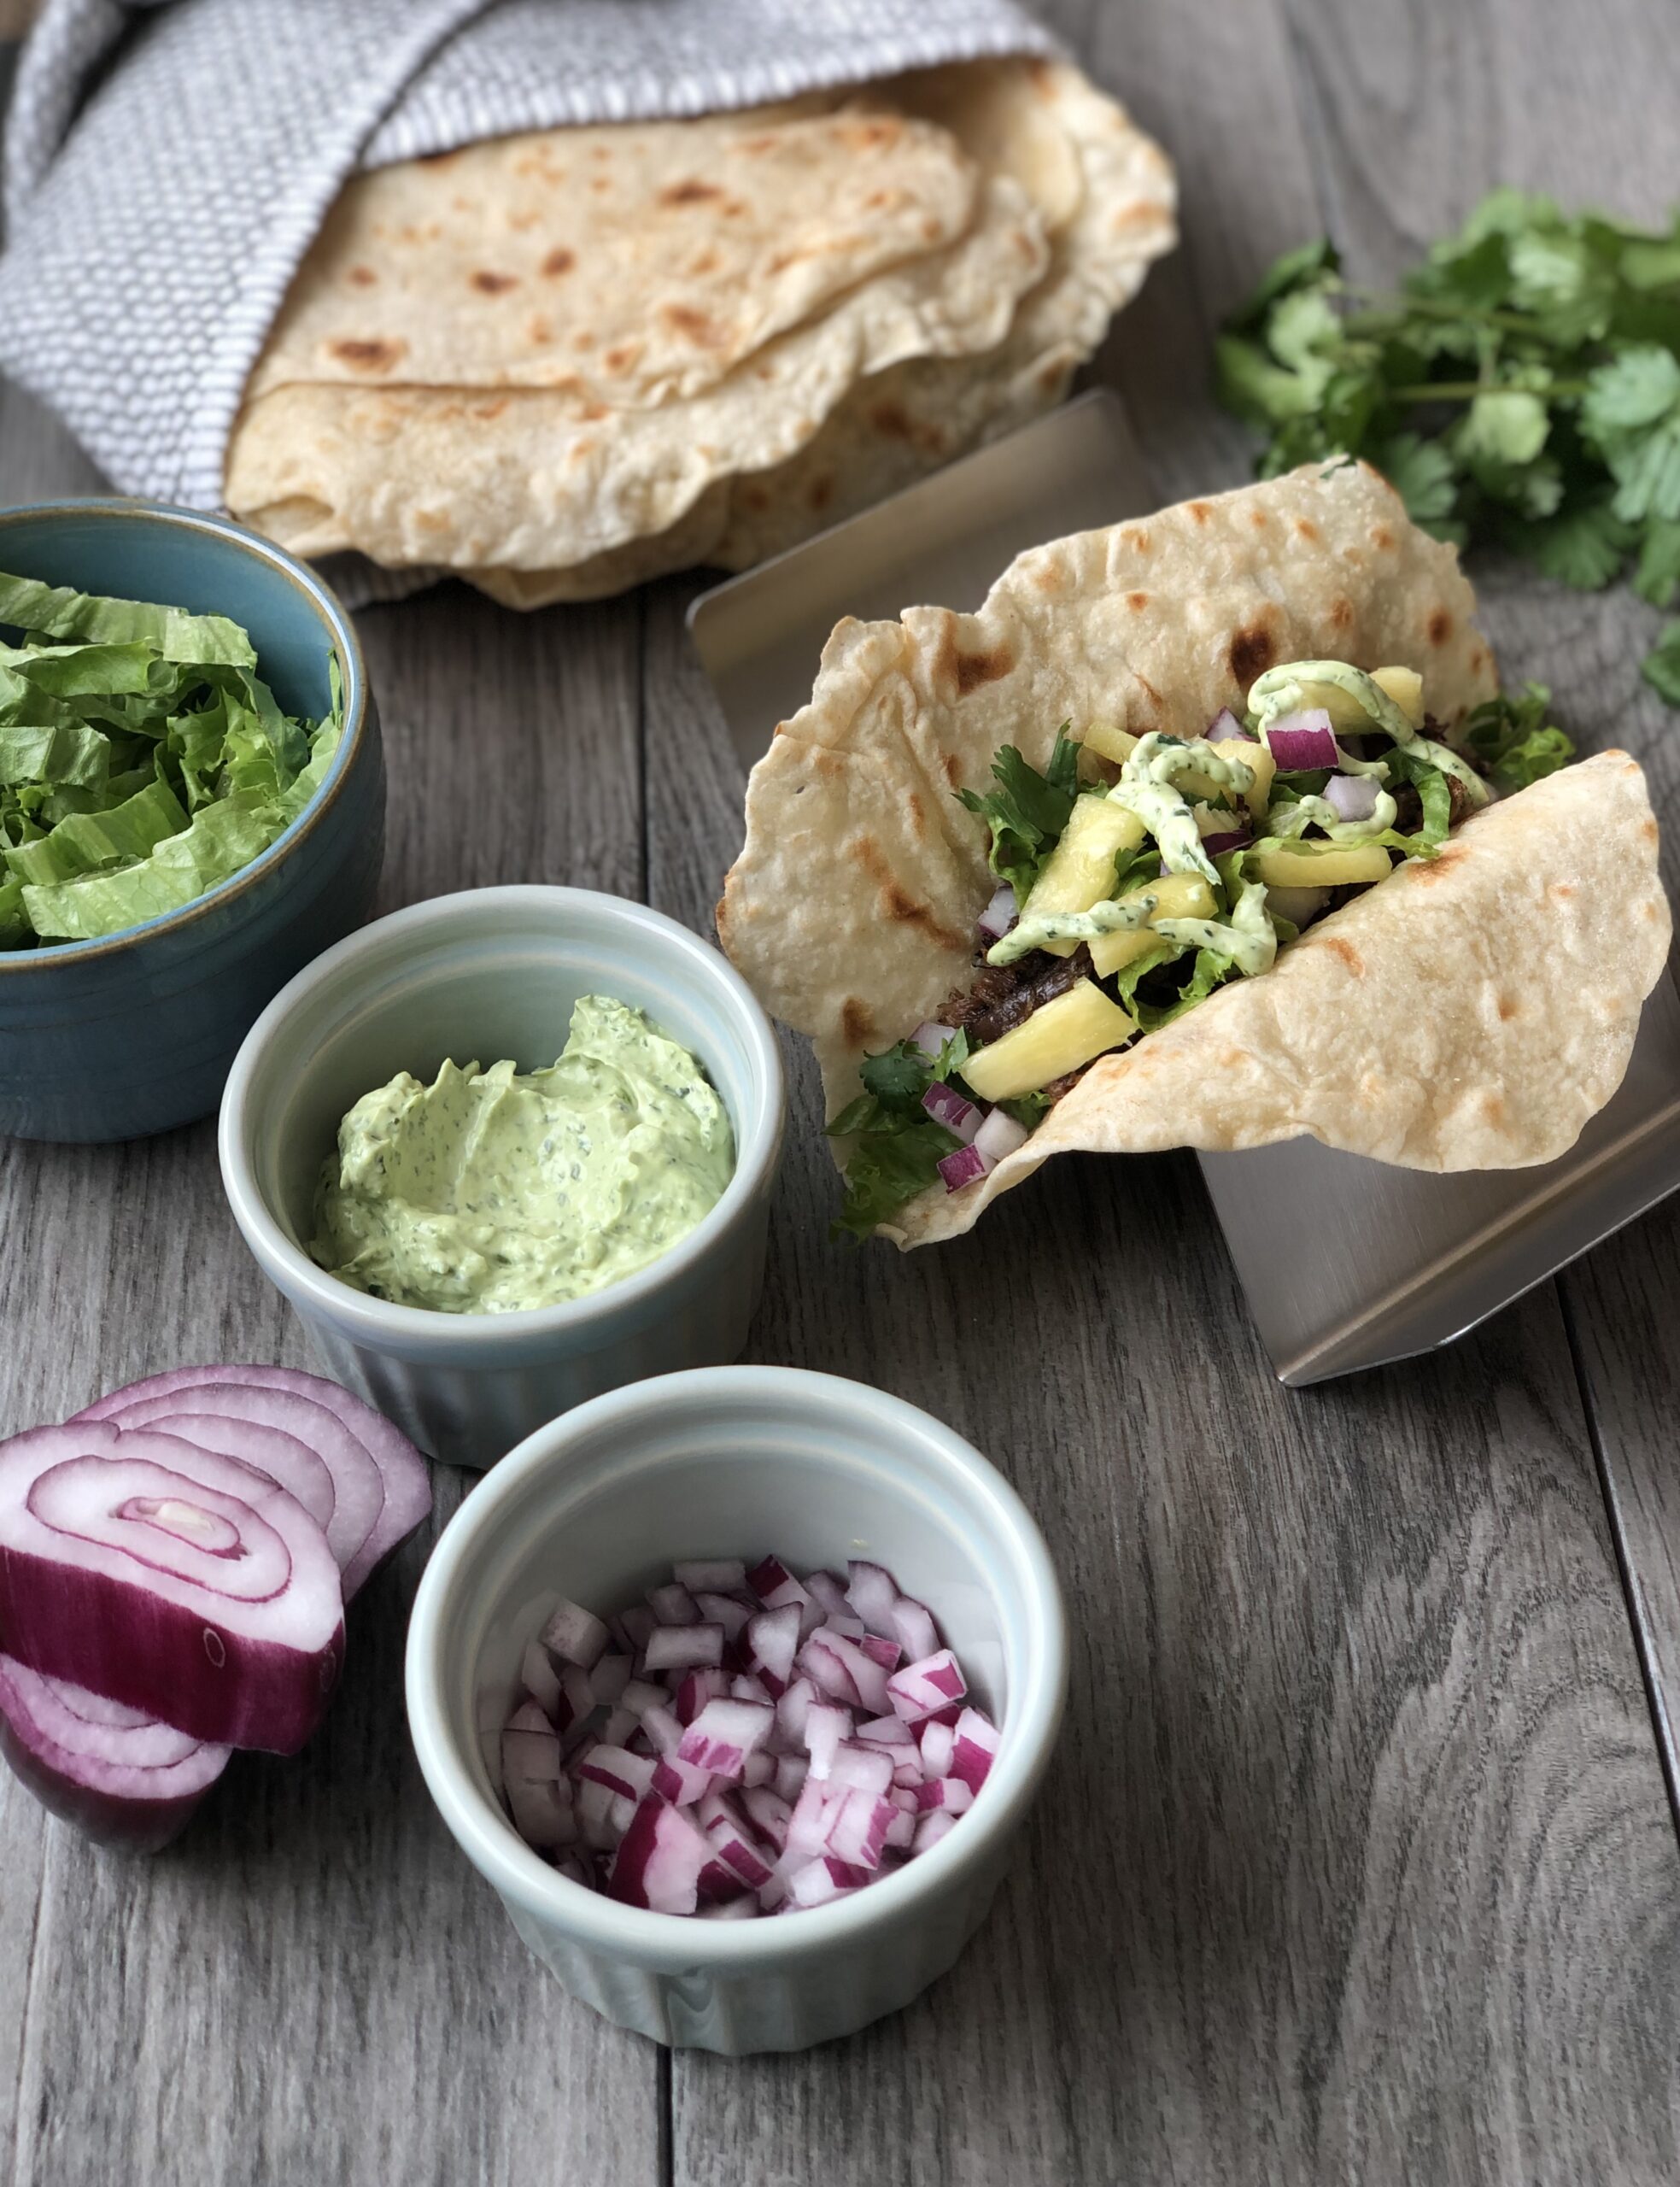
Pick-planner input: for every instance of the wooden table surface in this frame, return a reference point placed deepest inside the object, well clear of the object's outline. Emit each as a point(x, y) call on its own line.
point(1359, 1860)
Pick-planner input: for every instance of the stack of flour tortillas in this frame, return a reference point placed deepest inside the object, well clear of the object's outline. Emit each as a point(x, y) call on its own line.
point(565, 362)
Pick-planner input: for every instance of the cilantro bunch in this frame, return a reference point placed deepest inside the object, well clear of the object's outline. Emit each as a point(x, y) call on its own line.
point(1523, 386)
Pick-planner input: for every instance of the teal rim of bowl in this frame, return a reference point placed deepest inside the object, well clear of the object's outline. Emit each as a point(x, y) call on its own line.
point(494, 1847)
point(327, 609)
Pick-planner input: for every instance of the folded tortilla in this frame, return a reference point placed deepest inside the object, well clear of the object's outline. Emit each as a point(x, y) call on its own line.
point(1472, 1011)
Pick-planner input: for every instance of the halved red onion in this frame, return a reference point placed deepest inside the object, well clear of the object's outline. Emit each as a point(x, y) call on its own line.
point(999, 915)
point(1303, 740)
point(1354, 796)
point(115, 1772)
point(1000, 1135)
point(381, 1486)
point(967, 1165)
point(170, 1578)
point(930, 1038)
point(946, 1107)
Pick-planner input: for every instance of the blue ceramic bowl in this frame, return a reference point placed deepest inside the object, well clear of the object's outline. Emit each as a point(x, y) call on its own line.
point(119, 1038)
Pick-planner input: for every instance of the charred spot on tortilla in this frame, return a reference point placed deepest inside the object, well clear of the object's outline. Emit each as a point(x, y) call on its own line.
point(1382, 538)
point(378, 356)
point(1439, 626)
point(974, 669)
point(559, 260)
point(698, 326)
point(1252, 651)
point(856, 1025)
point(689, 191)
point(1343, 949)
point(1509, 1007)
point(363, 276)
point(1306, 529)
point(621, 357)
point(1341, 615)
point(1198, 512)
point(1137, 602)
point(897, 902)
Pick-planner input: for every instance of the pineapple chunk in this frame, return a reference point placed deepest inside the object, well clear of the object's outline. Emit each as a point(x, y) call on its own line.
point(1106, 738)
point(1059, 1037)
point(1180, 896)
point(1081, 870)
point(1295, 866)
point(1253, 755)
point(1405, 687)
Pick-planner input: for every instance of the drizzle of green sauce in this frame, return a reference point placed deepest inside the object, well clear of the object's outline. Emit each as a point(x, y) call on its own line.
point(492, 1191)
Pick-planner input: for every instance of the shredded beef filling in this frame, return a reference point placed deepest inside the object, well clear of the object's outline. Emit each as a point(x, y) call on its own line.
point(1004, 996)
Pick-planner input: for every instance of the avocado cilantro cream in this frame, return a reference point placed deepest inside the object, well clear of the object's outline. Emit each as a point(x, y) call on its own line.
point(491, 1191)
point(1125, 902)
point(143, 761)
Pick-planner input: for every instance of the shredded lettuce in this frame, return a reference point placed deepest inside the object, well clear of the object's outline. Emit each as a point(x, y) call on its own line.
point(143, 760)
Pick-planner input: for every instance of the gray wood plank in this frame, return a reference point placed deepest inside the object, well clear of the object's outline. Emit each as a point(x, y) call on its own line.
point(1482, 98)
point(1356, 1863)
point(313, 1983)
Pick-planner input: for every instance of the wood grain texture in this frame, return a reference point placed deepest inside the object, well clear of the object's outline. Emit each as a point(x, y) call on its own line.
point(1505, 91)
point(1355, 1864)
point(313, 1984)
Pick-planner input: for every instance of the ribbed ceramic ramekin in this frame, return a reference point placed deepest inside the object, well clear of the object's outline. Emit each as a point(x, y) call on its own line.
point(489, 974)
point(133, 1033)
point(737, 1460)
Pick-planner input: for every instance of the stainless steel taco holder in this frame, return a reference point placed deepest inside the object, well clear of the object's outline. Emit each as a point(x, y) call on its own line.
point(1346, 1263)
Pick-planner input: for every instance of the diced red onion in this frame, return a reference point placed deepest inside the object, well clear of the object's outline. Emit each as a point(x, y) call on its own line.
point(769, 1815)
point(530, 1747)
point(574, 1635)
point(1000, 1135)
point(1303, 740)
point(540, 1678)
point(976, 1743)
point(825, 1726)
point(946, 1107)
point(913, 1627)
point(931, 1828)
point(924, 1689)
point(930, 1037)
point(722, 1575)
point(1232, 839)
point(673, 1605)
point(680, 1647)
point(1224, 726)
point(772, 1643)
point(829, 1589)
point(731, 1841)
point(774, 1585)
point(680, 1782)
point(639, 1695)
point(791, 1772)
point(170, 1578)
point(858, 1767)
point(619, 1727)
point(948, 1795)
point(724, 1734)
point(694, 1689)
point(638, 1622)
point(999, 915)
point(543, 1814)
point(791, 1710)
point(1354, 796)
point(664, 1729)
point(939, 1746)
point(824, 1879)
point(964, 1166)
point(887, 1731)
point(630, 1774)
point(722, 1609)
point(113, 1772)
point(609, 1680)
point(871, 1593)
point(900, 1836)
point(743, 1686)
point(857, 1830)
point(659, 1859)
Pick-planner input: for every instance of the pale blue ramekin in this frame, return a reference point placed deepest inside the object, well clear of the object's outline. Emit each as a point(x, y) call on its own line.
point(120, 1038)
point(484, 975)
point(731, 1461)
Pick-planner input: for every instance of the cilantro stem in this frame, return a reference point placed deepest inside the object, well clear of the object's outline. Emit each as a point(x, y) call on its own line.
point(1389, 305)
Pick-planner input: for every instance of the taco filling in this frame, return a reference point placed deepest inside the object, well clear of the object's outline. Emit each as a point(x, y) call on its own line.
point(1138, 874)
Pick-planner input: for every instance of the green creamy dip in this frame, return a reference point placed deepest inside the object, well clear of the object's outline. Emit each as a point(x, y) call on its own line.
point(490, 1191)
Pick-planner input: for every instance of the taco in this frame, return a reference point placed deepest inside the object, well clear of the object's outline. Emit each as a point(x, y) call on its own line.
point(1207, 830)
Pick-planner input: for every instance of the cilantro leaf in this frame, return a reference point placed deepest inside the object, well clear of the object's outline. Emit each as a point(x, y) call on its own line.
point(1658, 572)
point(1661, 666)
point(887, 1169)
point(1422, 473)
point(897, 1077)
point(1584, 546)
point(1027, 811)
point(1632, 411)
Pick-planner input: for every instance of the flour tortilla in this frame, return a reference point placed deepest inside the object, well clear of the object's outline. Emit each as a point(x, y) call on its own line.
point(529, 478)
point(630, 265)
point(1105, 196)
point(1472, 1012)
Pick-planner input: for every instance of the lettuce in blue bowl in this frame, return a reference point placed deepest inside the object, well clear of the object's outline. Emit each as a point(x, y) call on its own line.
point(192, 796)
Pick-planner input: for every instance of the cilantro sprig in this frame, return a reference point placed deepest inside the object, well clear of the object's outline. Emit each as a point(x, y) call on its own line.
point(1522, 386)
point(1027, 811)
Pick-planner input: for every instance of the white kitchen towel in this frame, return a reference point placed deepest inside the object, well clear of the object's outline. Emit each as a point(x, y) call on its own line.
point(168, 164)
